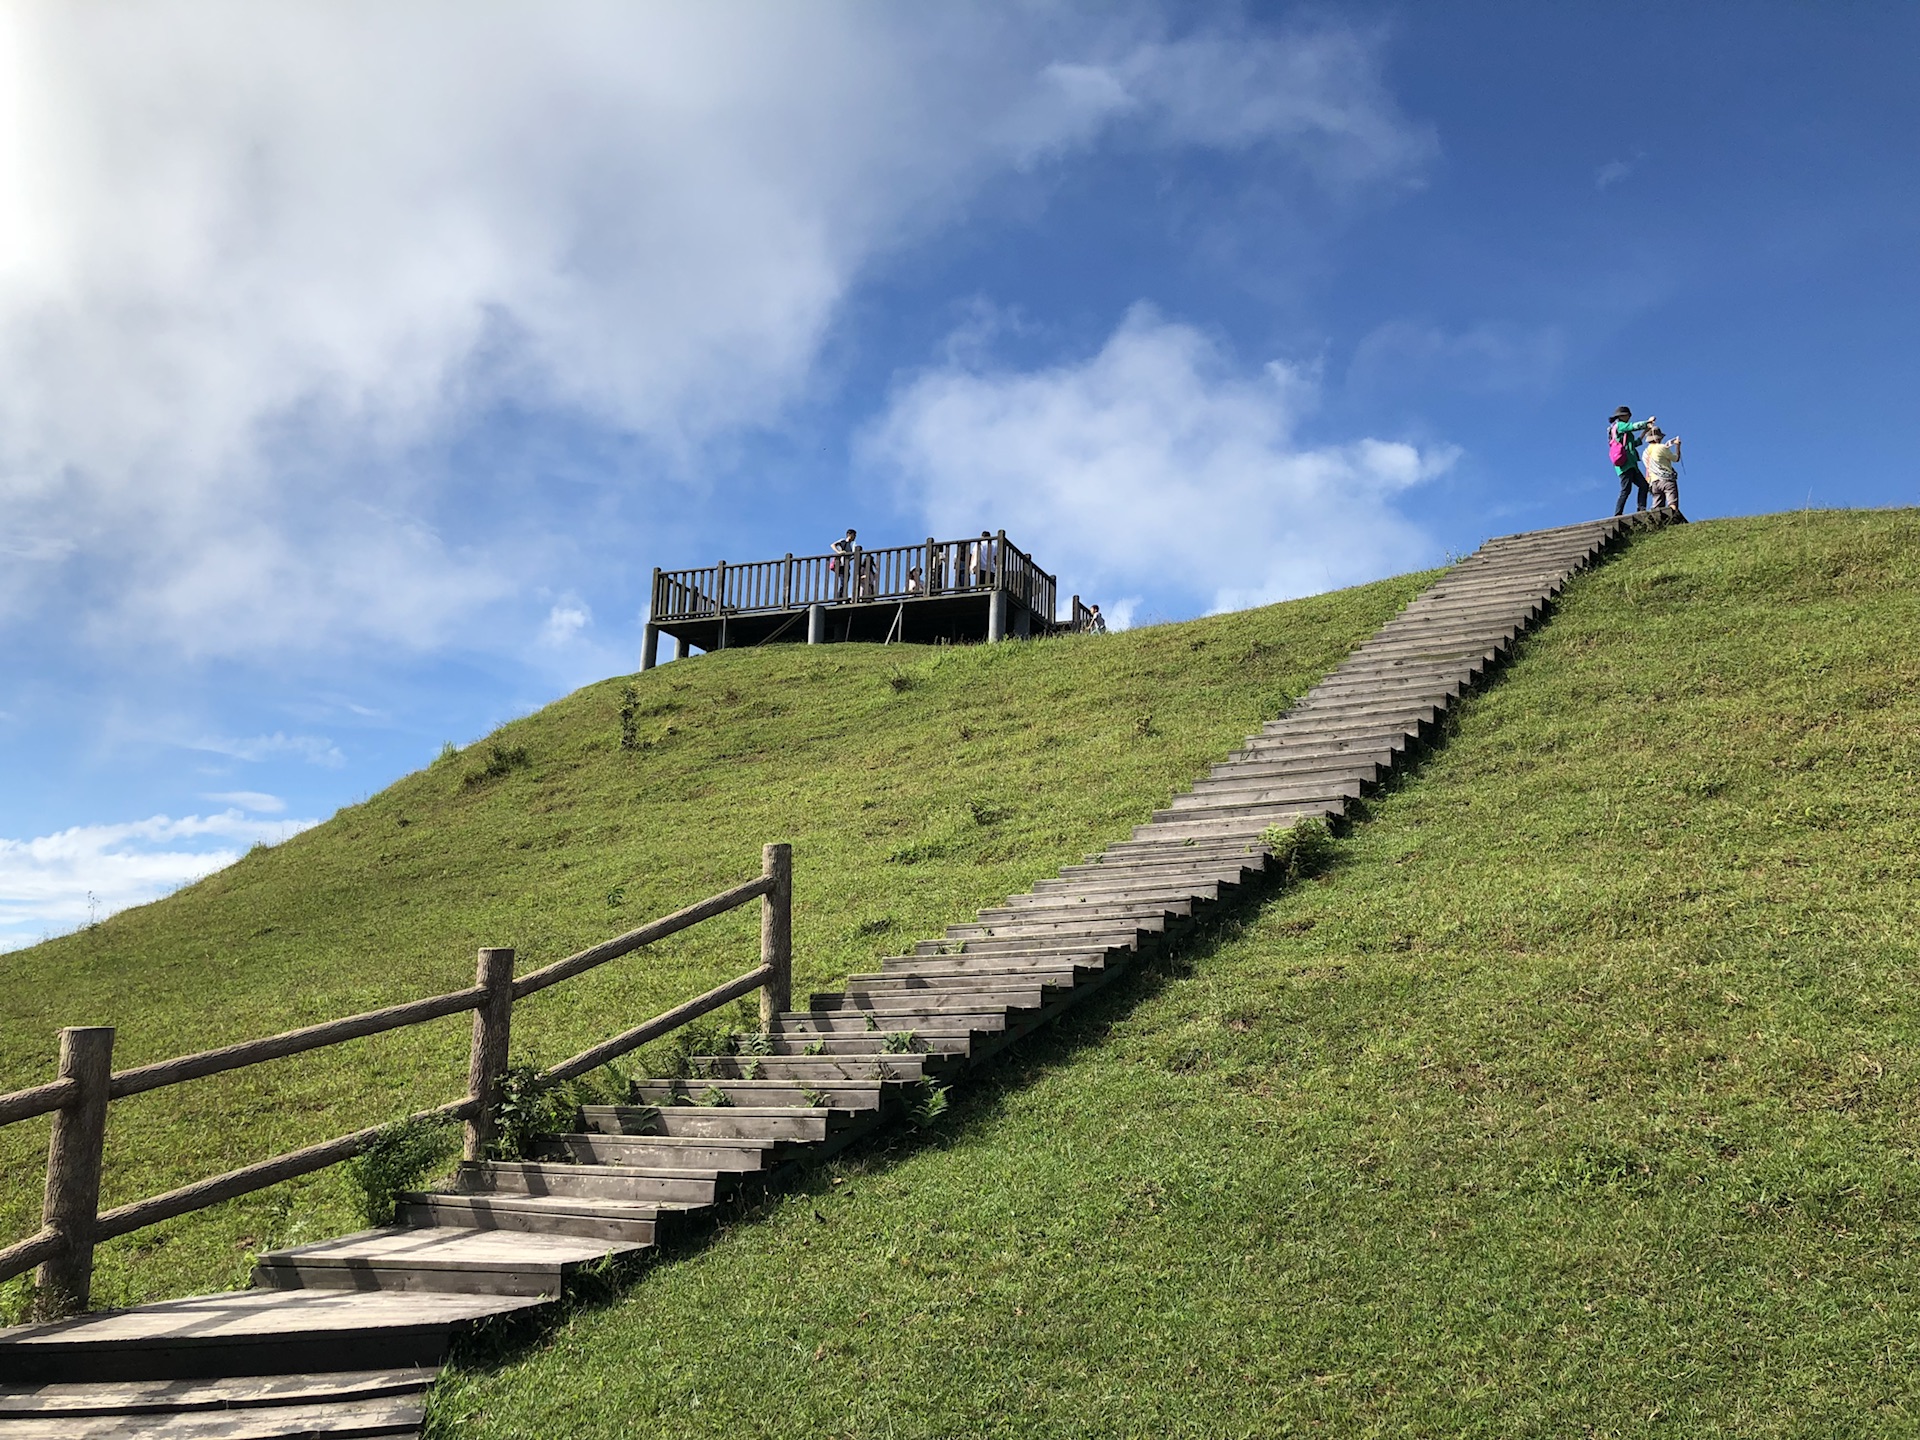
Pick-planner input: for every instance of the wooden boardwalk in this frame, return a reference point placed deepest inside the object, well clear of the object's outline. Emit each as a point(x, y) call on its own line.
point(342, 1337)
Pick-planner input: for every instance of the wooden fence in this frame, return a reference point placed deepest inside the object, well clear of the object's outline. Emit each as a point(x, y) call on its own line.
point(71, 1221)
point(898, 572)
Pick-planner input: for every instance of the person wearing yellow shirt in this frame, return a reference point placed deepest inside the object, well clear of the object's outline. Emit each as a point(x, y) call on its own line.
point(1661, 457)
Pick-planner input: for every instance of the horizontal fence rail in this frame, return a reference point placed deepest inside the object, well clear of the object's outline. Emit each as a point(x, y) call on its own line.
point(72, 1223)
point(858, 576)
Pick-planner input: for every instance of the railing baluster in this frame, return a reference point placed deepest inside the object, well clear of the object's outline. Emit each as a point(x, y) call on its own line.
point(74, 1152)
point(487, 1060)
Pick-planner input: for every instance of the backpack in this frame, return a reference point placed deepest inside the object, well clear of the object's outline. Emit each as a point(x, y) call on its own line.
point(1617, 452)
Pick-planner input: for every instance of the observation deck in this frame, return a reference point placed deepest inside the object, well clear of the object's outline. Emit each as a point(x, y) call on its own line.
point(959, 591)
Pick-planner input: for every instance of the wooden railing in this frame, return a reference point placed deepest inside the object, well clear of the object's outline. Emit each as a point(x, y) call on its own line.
point(71, 1221)
point(897, 572)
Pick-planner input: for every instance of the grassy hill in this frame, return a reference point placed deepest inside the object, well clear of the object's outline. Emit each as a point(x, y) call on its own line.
point(916, 785)
point(1577, 1097)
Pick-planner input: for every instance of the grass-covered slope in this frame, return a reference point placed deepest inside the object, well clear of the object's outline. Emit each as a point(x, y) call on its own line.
point(916, 785)
point(1578, 1098)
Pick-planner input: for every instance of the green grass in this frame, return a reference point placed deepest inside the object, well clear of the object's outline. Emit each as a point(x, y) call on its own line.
point(915, 784)
point(1578, 1097)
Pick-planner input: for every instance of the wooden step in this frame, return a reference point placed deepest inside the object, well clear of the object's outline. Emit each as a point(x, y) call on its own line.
point(874, 1064)
point(1009, 997)
point(436, 1258)
point(635, 1184)
point(771, 1094)
point(247, 1332)
point(627, 1221)
point(233, 1396)
point(787, 1124)
point(943, 1042)
point(849, 1025)
point(674, 1152)
point(363, 1419)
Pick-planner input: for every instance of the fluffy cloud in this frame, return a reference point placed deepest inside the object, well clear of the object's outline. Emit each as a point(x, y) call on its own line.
point(87, 872)
point(256, 261)
point(1154, 462)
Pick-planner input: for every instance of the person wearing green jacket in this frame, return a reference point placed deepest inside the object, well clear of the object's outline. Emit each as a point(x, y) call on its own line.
point(1623, 446)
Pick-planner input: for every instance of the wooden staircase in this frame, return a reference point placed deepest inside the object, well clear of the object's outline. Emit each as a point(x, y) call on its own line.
point(342, 1337)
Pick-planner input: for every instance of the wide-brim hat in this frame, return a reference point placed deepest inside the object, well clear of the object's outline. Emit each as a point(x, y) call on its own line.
point(1623, 413)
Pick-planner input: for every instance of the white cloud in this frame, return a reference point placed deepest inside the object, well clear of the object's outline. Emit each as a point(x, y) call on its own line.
point(87, 872)
point(1155, 457)
point(257, 260)
point(1614, 171)
point(255, 800)
point(314, 749)
point(565, 622)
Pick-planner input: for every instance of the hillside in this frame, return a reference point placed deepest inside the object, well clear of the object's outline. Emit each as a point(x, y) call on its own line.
point(1578, 1097)
point(916, 785)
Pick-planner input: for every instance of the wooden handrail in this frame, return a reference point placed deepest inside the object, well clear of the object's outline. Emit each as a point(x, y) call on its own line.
point(613, 949)
point(25, 1104)
point(592, 1058)
point(125, 1219)
point(78, 1100)
point(291, 1042)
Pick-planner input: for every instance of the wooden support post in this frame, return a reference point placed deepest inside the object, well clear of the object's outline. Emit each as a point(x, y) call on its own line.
point(73, 1169)
point(680, 647)
point(816, 624)
point(926, 570)
point(786, 582)
point(1073, 615)
point(997, 615)
point(492, 1031)
point(776, 933)
point(649, 646)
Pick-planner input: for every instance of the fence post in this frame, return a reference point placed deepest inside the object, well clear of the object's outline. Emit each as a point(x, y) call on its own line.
point(786, 582)
point(72, 1202)
point(487, 1061)
point(776, 933)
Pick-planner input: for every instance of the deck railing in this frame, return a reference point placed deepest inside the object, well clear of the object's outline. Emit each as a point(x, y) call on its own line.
point(894, 572)
point(71, 1221)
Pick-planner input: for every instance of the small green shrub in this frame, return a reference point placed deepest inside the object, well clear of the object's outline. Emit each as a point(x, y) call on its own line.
point(629, 717)
point(1303, 848)
point(501, 760)
point(401, 1156)
point(927, 1104)
point(527, 1109)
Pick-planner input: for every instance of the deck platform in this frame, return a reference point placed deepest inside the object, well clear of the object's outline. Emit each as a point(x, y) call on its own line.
point(956, 591)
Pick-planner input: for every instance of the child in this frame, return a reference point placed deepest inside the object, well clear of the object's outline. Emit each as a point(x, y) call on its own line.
point(1661, 457)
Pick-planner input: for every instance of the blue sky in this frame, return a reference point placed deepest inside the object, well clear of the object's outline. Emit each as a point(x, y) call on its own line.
point(358, 361)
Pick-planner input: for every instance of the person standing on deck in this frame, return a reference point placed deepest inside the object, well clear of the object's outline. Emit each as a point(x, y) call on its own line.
point(1623, 449)
point(1662, 459)
point(839, 563)
point(983, 558)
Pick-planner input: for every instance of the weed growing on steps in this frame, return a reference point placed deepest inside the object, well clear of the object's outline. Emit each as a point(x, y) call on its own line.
point(1299, 850)
point(926, 1103)
point(814, 1047)
point(817, 1098)
point(401, 1156)
point(900, 1042)
point(529, 1107)
point(714, 1096)
point(755, 1042)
